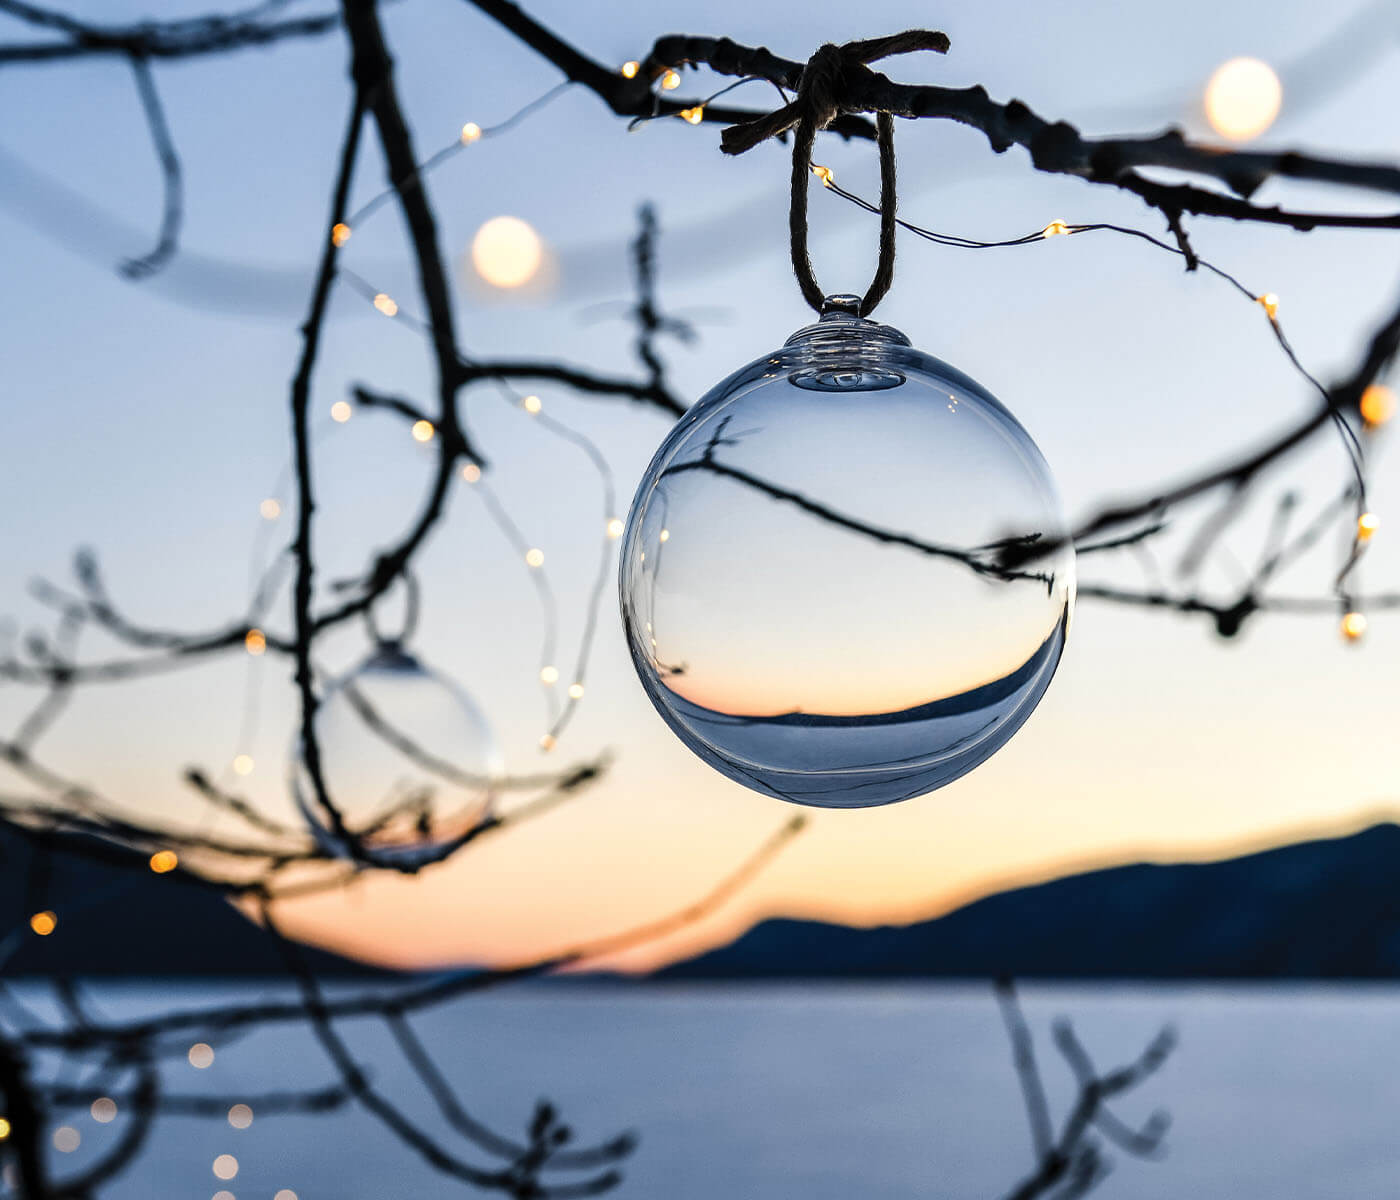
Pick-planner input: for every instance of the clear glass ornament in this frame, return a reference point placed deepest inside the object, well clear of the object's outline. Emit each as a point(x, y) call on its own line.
point(408, 758)
point(813, 580)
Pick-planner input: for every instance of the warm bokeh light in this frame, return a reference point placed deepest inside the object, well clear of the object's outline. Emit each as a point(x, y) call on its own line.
point(270, 510)
point(66, 1139)
point(4, 1129)
point(242, 764)
point(225, 1166)
point(104, 1110)
point(693, 115)
point(1243, 98)
point(1354, 626)
point(531, 404)
point(1054, 229)
point(549, 676)
point(614, 527)
point(423, 431)
point(201, 1056)
point(823, 173)
point(240, 1116)
point(1377, 405)
point(1269, 301)
point(664, 536)
point(671, 80)
point(164, 861)
point(223, 1195)
point(534, 557)
point(44, 923)
point(340, 411)
point(385, 304)
point(471, 473)
point(507, 252)
point(547, 742)
point(1366, 525)
point(255, 641)
point(630, 69)
point(340, 234)
point(471, 131)
point(575, 691)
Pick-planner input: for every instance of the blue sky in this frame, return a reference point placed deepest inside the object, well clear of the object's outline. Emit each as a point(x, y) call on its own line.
point(148, 420)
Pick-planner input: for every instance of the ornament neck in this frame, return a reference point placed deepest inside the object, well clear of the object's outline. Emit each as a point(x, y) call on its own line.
point(841, 319)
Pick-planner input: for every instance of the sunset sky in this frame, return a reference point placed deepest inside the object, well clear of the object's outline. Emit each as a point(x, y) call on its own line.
point(148, 420)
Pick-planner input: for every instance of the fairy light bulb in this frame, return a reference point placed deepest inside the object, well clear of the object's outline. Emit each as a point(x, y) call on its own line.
point(66, 1139)
point(240, 1116)
point(225, 1167)
point(614, 528)
point(549, 676)
point(1055, 229)
point(534, 557)
point(243, 764)
point(1269, 302)
point(471, 473)
point(423, 431)
point(340, 411)
point(507, 252)
point(817, 577)
point(162, 862)
point(630, 69)
point(104, 1110)
point(340, 233)
point(1354, 626)
point(408, 758)
point(823, 173)
point(671, 80)
point(1243, 98)
point(532, 404)
point(1366, 525)
point(255, 642)
point(270, 509)
point(385, 304)
point(201, 1056)
point(471, 132)
point(575, 691)
point(1377, 405)
point(44, 923)
point(694, 115)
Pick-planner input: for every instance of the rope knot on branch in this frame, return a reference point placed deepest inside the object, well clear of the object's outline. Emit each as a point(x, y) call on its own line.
point(831, 84)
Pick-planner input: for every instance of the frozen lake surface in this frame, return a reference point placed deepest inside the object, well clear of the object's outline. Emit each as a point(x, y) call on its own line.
point(817, 1092)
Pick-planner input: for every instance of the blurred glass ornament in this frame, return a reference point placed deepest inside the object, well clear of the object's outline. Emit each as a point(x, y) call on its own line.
point(818, 578)
point(408, 758)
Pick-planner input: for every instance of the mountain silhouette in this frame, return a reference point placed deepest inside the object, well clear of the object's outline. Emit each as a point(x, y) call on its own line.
point(117, 917)
point(1323, 909)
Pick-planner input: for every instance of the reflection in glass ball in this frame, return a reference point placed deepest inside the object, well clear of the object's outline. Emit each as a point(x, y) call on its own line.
point(408, 758)
point(815, 583)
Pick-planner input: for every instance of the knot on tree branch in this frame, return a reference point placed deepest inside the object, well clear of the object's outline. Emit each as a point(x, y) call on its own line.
point(831, 77)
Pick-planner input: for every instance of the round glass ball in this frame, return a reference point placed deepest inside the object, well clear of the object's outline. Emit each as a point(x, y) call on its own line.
point(830, 581)
point(408, 758)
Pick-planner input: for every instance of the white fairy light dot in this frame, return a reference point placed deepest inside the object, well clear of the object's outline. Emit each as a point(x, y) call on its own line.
point(1243, 99)
point(340, 411)
point(507, 252)
point(575, 691)
point(270, 509)
point(240, 1116)
point(549, 675)
point(225, 1166)
point(66, 1139)
point(243, 764)
point(534, 556)
point(201, 1056)
point(614, 528)
point(104, 1110)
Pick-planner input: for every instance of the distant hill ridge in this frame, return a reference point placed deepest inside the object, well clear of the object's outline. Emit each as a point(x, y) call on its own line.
point(116, 917)
point(1322, 909)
